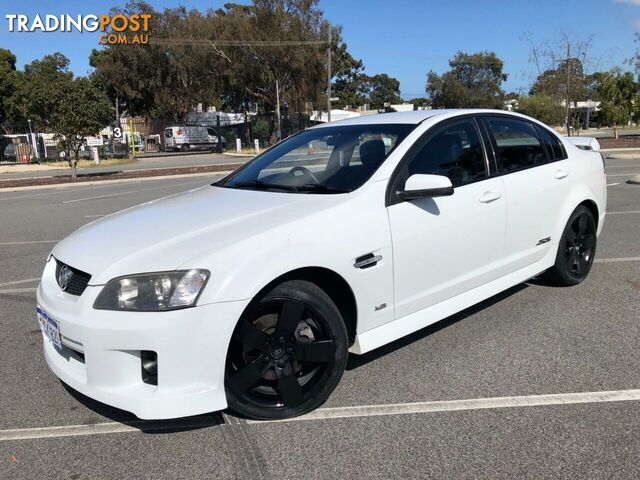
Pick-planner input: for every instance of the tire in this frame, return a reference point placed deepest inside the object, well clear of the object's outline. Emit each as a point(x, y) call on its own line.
point(576, 250)
point(287, 353)
point(185, 147)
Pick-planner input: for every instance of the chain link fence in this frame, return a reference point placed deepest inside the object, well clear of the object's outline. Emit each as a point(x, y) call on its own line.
point(139, 137)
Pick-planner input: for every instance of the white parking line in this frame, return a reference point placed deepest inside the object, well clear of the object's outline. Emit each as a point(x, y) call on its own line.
point(18, 290)
point(132, 191)
point(612, 184)
point(623, 213)
point(95, 216)
point(620, 259)
point(623, 175)
point(16, 282)
point(333, 413)
point(459, 405)
point(30, 242)
point(622, 166)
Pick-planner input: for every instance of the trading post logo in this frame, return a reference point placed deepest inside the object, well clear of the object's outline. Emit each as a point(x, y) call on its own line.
point(116, 29)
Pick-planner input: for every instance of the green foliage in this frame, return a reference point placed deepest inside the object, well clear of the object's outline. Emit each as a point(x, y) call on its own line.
point(78, 110)
point(474, 81)
point(49, 96)
point(553, 82)
point(262, 130)
point(185, 67)
point(420, 102)
point(10, 81)
point(543, 108)
point(616, 91)
point(39, 93)
point(383, 89)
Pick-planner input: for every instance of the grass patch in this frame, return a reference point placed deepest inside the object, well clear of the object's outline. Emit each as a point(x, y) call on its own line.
point(108, 162)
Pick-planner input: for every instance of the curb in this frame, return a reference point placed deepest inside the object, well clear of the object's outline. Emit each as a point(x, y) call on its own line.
point(634, 180)
point(245, 155)
point(115, 181)
point(621, 150)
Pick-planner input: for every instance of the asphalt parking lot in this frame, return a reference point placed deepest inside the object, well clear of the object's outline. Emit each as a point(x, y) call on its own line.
point(531, 341)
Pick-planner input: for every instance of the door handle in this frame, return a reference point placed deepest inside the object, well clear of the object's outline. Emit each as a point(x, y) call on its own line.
point(560, 174)
point(488, 197)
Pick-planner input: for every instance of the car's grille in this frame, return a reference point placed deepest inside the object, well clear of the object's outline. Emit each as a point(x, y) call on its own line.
point(77, 281)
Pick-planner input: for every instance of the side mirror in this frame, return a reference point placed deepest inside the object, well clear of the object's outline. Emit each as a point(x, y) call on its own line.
point(426, 186)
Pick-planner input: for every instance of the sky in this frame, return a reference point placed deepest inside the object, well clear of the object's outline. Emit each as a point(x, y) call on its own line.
point(403, 38)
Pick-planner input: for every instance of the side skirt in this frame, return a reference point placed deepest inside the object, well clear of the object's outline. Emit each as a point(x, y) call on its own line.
point(379, 336)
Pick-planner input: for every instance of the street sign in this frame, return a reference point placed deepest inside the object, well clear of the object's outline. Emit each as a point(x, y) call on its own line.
point(334, 99)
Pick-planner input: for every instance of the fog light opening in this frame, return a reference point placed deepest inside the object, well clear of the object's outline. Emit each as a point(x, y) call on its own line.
point(149, 361)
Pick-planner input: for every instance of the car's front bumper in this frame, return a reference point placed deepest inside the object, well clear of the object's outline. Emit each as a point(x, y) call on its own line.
point(100, 356)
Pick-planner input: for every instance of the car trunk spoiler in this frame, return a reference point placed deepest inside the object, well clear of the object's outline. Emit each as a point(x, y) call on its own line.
point(585, 143)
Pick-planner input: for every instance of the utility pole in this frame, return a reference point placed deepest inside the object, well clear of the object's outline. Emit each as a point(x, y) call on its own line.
point(279, 130)
point(567, 91)
point(329, 76)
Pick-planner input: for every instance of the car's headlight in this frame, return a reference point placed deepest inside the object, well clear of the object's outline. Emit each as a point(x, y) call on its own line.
point(153, 291)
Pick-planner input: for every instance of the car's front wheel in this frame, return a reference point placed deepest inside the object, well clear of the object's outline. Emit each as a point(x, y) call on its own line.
point(287, 353)
point(576, 250)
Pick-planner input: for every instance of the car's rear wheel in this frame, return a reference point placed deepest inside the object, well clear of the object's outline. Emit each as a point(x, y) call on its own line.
point(287, 353)
point(576, 250)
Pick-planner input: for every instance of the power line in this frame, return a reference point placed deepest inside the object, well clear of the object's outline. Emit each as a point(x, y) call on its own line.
point(232, 43)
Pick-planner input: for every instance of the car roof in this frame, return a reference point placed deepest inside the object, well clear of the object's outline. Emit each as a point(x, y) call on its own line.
point(414, 117)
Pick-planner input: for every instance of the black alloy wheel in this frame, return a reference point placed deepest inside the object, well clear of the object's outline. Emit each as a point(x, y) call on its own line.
point(576, 250)
point(287, 353)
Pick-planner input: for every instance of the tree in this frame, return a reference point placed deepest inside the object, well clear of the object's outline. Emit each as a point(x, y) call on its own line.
point(543, 108)
point(616, 90)
point(35, 97)
point(230, 56)
point(562, 68)
point(382, 90)
point(419, 102)
point(474, 81)
point(10, 81)
point(350, 84)
point(77, 110)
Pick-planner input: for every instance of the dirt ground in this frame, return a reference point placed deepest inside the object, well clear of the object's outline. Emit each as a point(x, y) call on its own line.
point(628, 141)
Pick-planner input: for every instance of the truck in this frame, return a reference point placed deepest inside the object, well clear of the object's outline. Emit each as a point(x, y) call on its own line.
point(191, 137)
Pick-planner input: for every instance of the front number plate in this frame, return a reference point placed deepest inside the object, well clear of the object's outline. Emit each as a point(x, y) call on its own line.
point(50, 327)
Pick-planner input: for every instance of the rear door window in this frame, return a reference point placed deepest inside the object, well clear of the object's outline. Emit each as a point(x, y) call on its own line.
point(517, 142)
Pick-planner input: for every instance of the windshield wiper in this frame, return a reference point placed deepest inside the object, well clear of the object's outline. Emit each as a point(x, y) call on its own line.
point(259, 184)
point(320, 188)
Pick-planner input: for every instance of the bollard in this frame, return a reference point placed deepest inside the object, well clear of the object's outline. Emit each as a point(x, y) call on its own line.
point(238, 145)
point(256, 144)
point(95, 156)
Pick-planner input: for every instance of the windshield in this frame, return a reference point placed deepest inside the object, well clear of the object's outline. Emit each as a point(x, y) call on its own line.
point(322, 160)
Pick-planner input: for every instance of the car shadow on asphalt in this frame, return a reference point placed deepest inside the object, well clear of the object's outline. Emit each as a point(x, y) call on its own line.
point(356, 361)
point(184, 424)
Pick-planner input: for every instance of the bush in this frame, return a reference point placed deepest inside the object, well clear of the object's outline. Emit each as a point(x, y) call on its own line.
point(543, 108)
point(262, 130)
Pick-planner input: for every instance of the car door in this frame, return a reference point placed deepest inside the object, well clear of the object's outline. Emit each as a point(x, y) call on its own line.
point(445, 246)
point(535, 188)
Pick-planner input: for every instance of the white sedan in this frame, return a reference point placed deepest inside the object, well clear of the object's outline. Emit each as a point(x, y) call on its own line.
point(249, 293)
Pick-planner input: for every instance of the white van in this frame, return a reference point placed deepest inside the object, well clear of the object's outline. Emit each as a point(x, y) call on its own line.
point(191, 137)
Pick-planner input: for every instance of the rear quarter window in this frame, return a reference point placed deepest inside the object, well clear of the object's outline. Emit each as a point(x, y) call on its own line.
point(553, 145)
